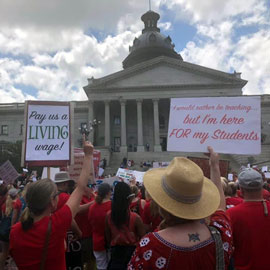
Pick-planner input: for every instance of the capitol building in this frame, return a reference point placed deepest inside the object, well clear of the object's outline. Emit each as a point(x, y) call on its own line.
point(133, 104)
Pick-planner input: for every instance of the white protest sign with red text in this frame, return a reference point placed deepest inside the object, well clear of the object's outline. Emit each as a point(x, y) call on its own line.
point(48, 136)
point(75, 169)
point(229, 124)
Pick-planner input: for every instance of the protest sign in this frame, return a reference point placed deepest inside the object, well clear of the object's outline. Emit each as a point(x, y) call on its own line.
point(47, 133)
point(267, 175)
point(162, 164)
point(112, 181)
point(75, 169)
point(8, 173)
point(73, 252)
point(264, 168)
point(53, 171)
point(203, 163)
point(230, 177)
point(127, 175)
point(229, 124)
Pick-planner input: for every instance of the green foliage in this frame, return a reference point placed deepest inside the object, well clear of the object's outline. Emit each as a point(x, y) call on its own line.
point(12, 152)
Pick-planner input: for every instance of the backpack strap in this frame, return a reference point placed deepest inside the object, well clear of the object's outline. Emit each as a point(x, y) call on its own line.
point(46, 244)
point(220, 264)
point(138, 207)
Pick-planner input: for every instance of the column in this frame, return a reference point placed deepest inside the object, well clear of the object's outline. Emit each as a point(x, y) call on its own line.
point(157, 146)
point(140, 146)
point(90, 120)
point(123, 147)
point(107, 124)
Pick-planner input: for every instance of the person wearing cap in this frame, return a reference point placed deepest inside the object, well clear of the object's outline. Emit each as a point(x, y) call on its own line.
point(37, 241)
point(251, 223)
point(185, 198)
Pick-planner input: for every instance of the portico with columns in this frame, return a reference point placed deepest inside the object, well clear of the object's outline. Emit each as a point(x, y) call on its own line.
point(127, 124)
point(133, 104)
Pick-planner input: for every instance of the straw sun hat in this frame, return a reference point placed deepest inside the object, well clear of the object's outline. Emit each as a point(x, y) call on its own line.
point(182, 190)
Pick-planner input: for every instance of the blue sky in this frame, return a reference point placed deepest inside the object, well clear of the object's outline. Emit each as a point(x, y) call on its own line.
point(48, 49)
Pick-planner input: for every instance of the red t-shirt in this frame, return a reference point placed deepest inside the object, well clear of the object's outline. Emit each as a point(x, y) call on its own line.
point(233, 201)
point(97, 216)
point(251, 235)
point(17, 204)
point(136, 207)
point(154, 252)
point(62, 199)
point(265, 193)
point(149, 219)
point(126, 234)
point(82, 219)
point(26, 246)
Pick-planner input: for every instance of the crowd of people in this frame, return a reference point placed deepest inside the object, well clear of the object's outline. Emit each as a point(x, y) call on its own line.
point(178, 219)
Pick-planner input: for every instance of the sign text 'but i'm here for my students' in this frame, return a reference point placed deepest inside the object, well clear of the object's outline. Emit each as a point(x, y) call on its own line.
point(229, 124)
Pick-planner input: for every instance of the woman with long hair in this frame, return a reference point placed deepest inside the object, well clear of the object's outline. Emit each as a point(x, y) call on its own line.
point(124, 228)
point(185, 198)
point(37, 242)
point(10, 213)
point(96, 216)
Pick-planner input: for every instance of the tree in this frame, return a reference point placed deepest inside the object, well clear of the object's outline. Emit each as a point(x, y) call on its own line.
point(12, 152)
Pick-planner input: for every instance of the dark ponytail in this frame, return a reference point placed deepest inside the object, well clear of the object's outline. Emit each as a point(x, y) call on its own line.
point(120, 204)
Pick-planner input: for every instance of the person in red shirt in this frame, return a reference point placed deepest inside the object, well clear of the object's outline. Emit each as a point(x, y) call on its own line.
point(39, 223)
point(124, 228)
point(185, 197)
point(251, 224)
point(64, 186)
point(10, 211)
point(151, 216)
point(96, 216)
point(137, 204)
point(230, 191)
point(88, 259)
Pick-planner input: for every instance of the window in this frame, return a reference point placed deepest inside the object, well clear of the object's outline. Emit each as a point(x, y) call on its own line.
point(161, 121)
point(117, 120)
point(4, 130)
point(83, 126)
point(21, 130)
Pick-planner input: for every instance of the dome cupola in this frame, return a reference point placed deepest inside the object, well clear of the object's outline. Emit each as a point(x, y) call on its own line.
point(151, 43)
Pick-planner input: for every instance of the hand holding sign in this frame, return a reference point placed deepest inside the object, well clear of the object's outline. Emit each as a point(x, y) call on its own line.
point(214, 158)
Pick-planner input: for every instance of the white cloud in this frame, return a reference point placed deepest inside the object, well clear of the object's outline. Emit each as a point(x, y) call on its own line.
point(102, 14)
point(251, 57)
point(215, 11)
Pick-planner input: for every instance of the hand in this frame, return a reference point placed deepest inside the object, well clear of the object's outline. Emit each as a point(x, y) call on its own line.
point(214, 158)
point(132, 181)
point(88, 148)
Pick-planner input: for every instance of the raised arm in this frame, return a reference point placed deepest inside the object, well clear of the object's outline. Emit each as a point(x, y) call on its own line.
point(215, 176)
point(76, 196)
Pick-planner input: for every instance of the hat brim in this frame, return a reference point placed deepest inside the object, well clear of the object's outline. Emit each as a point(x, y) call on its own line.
point(207, 205)
point(63, 180)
